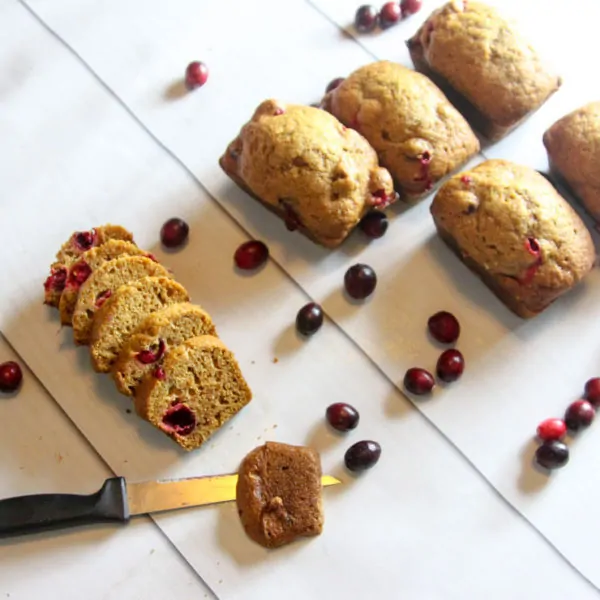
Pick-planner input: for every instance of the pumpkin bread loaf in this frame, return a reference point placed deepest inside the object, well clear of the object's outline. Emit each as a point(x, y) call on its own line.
point(80, 270)
point(511, 227)
point(198, 388)
point(417, 133)
point(485, 65)
point(78, 243)
point(279, 494)
point(302, 164)
point(102, 283)
point(122, 313)
point(160, 331)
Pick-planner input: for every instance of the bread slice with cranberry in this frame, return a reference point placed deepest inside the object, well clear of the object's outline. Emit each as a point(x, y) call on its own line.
point(102, 283)
point(198, 388)
point(81, 269)
point(160, 331)
point(279, 494)
point(78, 243)
point(123, 312)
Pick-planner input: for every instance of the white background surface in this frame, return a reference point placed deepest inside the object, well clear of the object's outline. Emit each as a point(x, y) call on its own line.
point(423, 524)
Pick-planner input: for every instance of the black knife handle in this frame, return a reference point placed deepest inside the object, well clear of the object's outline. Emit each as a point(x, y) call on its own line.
point(41, 512)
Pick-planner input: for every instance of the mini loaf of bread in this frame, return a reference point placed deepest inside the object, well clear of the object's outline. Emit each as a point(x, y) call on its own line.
point(81, 269)
point(419, 136)
point(160, 331)
point(122, 313)
point(305, 166)
point(75, 246)
point(484, 64)
point(279, 494)
point(510, 226)
point(198, 388)
point(573, 146)
point(102, 283)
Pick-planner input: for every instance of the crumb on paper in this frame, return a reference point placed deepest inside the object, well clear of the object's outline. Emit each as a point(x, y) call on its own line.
point(152, 550)
point(220, 581)
point(252, 362)
point(125, 462)
point(259, 437)
point(128, 411)
point(275, 426)
point(40, 438)
point(275, 360)
point(59, 457)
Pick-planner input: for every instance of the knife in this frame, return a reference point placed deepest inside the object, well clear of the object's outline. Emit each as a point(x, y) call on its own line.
point(116, 501)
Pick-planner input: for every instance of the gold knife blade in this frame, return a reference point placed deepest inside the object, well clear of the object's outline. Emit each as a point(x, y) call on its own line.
point(158, 496)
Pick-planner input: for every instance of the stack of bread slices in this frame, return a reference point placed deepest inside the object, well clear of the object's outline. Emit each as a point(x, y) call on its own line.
point(141, 328)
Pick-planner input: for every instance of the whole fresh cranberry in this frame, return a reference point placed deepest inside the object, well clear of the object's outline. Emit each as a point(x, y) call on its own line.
point(365, 19)
point(410, 7)
point(389, 15)
point(551, 429)
point(360, 281)
point(251, 255)
point(10, 376)
point(174, 233)
point(152, 355)
point(592, 391)
point(196, 75)
point(552, 454)
point(84, 240)
point(342, 416)
point(374, 224)
point(450, 365)
point(579, 415)
point(362, 456)
point(418, 381)
point(444, 327)
point(309, 319)
point(333, 84)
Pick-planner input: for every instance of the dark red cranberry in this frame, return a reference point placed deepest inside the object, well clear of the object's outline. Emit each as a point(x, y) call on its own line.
point(362, 456)
point(360, 281)
point(102, 297)
point(10, 376)
point(160, 374)
point(174, 233)
point(410, 7)
point(418, 381)
point(579, 415)
point(551, 429)
point(365, 19)
point(552, 454)
point(444, 327)
point(251, 255)
point(450, 365)
point(532, 246)
point(309, 319)
point(389, 15)
point(333, 84)
point(150, 356)
point(374, 224)
point(342, 416)
point(381, 198)
point(179, 419)
point(78, 274)
point(592, 391)
point(84, 240)
point(56, 280)
point(290, 218)
point(196, 75)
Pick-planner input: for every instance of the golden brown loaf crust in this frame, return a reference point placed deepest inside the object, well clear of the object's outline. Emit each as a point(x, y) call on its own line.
point(121, 314)
point(419, 136)
point(196, 390)
point(471, 49)
point(78, 243)
point(102, 283)
point(81, 269)
point(154, 337)
point(510, 226)
point(305, 166)
point(279, 494)
point(573, 146)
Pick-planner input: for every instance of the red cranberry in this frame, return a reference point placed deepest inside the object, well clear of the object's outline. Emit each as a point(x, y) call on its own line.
point(342, 416)
point(309, 319)
point(84, 240)
point(532, 246)
point(251, 255)
point(466, 180)
point(418, 381)
point(56, 280)
point(390, 15)
point(179, 419)
point(551, 429)
point(174, 233)
point(78, 274)
point(150, 356)
point(160, 374)
point(381, 199)
point(410, 7)
point(450, 365)
point(196, 75)
point(579, 415)
point(592, 391)
point(290, 218)
point(362, 456)
point(102, 297)
point(333, 84)
point(552, 454)
point(10, 376)
point(360, 281)
point(365, 19)
point(374, 224)
point(444, 327)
